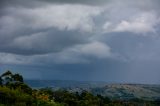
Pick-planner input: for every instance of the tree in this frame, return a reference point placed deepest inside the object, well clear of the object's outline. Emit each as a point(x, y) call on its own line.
point(7, 73)
point(17, 77)
point(1, 81)
point(6, 77)
point(14, 81)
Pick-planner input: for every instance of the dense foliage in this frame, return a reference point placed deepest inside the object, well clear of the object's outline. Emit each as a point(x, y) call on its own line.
point(14, 92)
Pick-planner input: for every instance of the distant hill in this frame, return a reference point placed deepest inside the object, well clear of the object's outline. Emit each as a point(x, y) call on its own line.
point(114, 91)
point(129, 91)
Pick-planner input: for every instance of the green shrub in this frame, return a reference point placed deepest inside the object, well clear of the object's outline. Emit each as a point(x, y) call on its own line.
point(11, 96)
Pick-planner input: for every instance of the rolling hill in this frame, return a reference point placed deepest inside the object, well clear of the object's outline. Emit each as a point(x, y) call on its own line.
point(113, 91)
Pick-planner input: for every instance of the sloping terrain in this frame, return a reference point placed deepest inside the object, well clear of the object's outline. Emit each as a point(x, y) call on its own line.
point(129, 91)
point(114, 91)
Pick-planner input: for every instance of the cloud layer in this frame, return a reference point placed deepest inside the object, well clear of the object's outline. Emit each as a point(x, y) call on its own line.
point(104, 37)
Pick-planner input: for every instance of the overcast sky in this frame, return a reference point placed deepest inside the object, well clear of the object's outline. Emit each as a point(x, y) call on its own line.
point(94, 40)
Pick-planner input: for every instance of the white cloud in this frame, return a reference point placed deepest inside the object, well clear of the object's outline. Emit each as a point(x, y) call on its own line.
point(107, 26)
point(139, 24)
point(95, 49)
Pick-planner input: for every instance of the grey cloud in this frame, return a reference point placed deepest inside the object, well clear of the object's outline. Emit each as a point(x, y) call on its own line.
point(54, 27)
point(132, 47)
point(43, 42)
point(81, 53)
point(39, 3)
point(45, 30)
point(65, 38)
point(143, 4)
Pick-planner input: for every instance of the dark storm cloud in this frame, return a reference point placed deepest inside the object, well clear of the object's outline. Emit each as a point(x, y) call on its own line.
point(20, 3)
point(110, 40)
point(42, 42)
point(54, 25)
point(35, 3)
point(34, 31)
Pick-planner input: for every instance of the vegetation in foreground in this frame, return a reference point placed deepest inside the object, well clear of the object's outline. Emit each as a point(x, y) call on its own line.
point(14, 92)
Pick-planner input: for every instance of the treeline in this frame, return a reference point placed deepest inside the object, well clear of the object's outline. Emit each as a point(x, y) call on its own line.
point(14, 92)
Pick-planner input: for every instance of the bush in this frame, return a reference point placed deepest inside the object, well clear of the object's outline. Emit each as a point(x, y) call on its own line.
point(11, 96)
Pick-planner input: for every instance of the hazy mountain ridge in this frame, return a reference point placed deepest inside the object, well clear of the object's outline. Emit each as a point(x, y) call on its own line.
point(114, 91)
